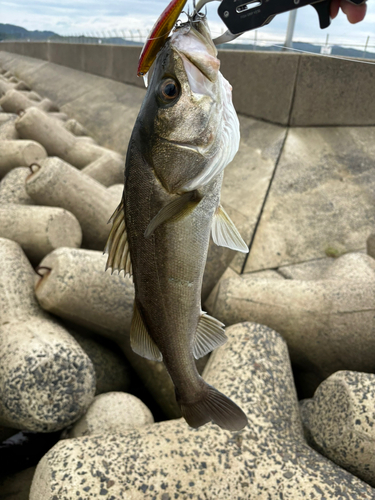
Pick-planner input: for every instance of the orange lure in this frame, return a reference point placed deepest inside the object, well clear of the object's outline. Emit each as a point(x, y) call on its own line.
point(158, 35)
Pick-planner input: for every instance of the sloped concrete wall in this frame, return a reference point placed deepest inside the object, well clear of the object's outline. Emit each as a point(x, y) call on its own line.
point(288, 89)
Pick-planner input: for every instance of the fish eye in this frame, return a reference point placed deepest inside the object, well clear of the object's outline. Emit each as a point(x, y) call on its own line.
point(169, 89)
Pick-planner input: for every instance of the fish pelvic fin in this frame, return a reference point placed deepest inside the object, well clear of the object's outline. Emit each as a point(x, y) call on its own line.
point(117, 246)
point(180, 206)
point(224, 232)
point(140, 340)
point(209, 335)
point(215, 407)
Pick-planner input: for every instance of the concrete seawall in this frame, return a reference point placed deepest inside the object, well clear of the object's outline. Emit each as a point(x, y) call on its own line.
point(299, 90)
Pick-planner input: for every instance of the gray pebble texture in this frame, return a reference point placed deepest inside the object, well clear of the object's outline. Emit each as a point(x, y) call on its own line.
point(340, 422)
point(269, 459)
point(12, 187)
point(46, 380)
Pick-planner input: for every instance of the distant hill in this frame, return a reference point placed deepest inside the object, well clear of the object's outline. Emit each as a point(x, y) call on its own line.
point(16, 32)
point(9, 31)
point(337, 50)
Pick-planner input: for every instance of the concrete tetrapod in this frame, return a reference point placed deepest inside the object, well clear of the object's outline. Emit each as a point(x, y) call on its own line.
point(329, 324)
point(13, 189)
point(370, 245)
point(110, 364)
point(340, 422)
point(77, 288)
point(268, 459)
point(39, 230)
point(8, 131)
point(58, 184)
point(14, 102)
point(108, 169)
point(6, 85)
point(112, 413)
point(19, 154)
point(46, 380)
point(41, 127)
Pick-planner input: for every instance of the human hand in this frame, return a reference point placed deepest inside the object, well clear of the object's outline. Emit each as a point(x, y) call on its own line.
point(354, 13)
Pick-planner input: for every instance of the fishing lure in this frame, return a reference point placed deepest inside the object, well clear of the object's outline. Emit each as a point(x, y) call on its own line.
point(158, 35)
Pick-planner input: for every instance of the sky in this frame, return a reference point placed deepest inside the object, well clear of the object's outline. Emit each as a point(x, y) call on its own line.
point(71, 17)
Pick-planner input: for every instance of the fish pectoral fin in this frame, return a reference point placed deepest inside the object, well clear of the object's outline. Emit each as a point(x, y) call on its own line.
point(179, 206)
point(140, 340)
point(209, 335)
point(117, 245)
point(224, 232)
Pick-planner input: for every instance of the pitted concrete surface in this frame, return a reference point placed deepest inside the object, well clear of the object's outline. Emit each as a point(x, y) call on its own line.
point(269, 459)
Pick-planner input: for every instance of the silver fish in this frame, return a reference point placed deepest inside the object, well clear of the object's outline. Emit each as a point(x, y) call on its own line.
point(187, 131)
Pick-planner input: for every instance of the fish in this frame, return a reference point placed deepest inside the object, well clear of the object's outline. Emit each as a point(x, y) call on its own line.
point(186, 132)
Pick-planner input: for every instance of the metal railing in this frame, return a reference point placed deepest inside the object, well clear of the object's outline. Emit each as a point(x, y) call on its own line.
point(255, 40)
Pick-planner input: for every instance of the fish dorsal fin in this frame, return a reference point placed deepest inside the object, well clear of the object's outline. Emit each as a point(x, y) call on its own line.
point(178, 206)
point(209, 335)
point(140, 340)
point(224, 232)
point(117, 245)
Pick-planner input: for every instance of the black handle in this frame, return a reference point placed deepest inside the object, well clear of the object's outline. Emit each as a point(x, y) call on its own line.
point(246, 15)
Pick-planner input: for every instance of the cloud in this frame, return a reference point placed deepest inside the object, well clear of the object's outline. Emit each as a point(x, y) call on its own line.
point(81, 16)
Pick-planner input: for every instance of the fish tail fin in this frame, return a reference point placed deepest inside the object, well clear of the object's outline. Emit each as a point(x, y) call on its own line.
point(216, 407)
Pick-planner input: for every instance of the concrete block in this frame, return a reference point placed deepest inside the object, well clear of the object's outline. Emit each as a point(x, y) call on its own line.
point(263, 83)
point(8, 131)
point(112, 413)
point(75, 127)
point(77, 288)
point(111, 367)
point(125, 64)
point(39, 230)
point(247, 177)
point(67, 54)
point(109, 169)
point(12, 187)
point(36, 125)
point(21, 65)
point(17, 486)
point(268, 459)
point(332, 92)
point(15, 154)
point(370, 244)
point(46, 380)
point(340, 422)
point(14, 102)
point(310, 270)
point(328, 323)
point(117, 190)
point(321, 200)
point(5, 85)
point(108, 112)
point(218, 260)
point(98, 59)
point(58, 184)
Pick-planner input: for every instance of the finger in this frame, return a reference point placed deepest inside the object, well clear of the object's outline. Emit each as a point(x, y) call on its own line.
point(334, 10)
point(354, 13)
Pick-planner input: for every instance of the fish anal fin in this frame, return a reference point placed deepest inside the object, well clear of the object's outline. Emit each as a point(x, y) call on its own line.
point(117, 245)
point(209, 335)
point(140, 340)
point(180, 206)
point(224, 232)
point(215, 407)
